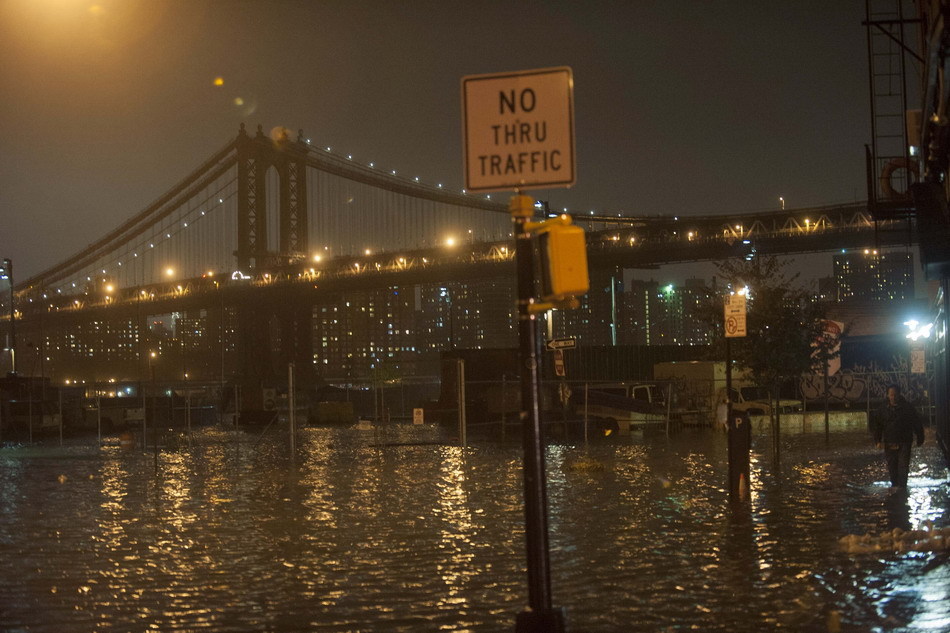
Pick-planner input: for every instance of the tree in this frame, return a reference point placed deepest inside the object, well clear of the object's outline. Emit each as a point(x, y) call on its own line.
point(783, 325)
point(782, 321)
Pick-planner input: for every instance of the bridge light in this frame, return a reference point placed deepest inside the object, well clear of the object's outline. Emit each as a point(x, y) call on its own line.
point(109, 288)
point(169, 272)
point(450, 241)
point(368, 252)
point(317, 258)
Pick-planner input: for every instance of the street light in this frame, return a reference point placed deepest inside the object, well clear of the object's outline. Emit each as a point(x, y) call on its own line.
point(917, 329)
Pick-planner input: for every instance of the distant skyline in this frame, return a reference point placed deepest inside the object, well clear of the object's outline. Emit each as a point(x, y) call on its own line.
point(681, 108)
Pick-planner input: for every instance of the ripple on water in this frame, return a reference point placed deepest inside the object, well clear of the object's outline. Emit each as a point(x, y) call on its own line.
point(232, 535)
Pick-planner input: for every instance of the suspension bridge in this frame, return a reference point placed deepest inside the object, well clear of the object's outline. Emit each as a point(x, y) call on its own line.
point(269, 226)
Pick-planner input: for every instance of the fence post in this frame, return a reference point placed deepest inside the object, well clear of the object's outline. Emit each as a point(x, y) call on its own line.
point(460, 364)
point(669, 404)
point(504, 400)
point(586, 394)
point(291, 410)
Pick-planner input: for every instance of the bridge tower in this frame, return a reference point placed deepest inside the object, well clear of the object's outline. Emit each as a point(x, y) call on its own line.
point(255, 156)
point(264, 360)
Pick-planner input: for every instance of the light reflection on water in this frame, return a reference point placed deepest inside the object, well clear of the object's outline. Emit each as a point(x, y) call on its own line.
point(231, 534)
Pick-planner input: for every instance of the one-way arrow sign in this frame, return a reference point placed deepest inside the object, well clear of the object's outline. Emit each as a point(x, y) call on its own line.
point(561, 343)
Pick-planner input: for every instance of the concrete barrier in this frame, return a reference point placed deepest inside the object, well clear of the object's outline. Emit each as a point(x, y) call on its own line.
point(812, 422)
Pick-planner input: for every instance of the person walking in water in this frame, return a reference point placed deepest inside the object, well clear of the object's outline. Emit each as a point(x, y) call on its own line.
point(896, 427)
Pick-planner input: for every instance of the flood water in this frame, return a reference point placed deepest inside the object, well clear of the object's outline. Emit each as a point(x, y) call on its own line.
point(229, 533)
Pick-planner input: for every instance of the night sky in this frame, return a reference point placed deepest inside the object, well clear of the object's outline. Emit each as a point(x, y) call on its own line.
point(681, 107)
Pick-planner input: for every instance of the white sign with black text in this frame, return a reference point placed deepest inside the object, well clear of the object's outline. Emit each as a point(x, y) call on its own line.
point(518, 130)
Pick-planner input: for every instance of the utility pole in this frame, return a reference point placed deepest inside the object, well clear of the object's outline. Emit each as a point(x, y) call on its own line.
point(6, 272)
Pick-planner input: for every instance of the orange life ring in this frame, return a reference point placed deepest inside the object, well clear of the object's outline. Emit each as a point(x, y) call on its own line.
point(913, 171)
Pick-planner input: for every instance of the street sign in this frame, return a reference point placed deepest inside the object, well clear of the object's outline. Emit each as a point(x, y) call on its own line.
point(559, 363)
point(918, 362)
point(518, 130)
point(418, 415)
point(735, 316)
point(561, 343)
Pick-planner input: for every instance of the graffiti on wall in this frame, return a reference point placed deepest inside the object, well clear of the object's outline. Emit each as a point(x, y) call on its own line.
point(863, 383)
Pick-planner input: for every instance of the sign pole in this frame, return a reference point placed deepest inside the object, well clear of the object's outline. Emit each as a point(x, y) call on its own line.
point(540, 616)
point(738, 436)
point(518, 133)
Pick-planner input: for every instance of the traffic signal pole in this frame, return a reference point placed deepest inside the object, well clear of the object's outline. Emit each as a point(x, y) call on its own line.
point(540, 616)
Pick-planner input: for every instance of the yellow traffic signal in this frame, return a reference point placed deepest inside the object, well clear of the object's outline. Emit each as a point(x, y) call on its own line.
point(563, 259)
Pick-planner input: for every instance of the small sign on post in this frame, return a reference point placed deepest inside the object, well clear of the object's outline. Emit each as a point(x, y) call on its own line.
point(518, 130)
point(918, 361)
point(735, 316)
point(561, 343)
point(418, 415)
point(559, 363)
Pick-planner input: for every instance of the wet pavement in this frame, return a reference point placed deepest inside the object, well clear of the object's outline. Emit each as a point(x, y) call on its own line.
point(229, 533)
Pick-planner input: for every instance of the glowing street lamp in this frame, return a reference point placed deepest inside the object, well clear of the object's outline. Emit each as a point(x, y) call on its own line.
point(917, 329)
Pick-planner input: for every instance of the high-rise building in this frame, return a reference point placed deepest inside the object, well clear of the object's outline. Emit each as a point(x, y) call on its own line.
point(474, 314)
point(359, 333)
point(597, 320)
point(640, 314)
point(695, 299)
point(670, 314)
point(873, 275)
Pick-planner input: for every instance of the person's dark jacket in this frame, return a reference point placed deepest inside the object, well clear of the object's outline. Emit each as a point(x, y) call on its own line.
point(898, 424)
